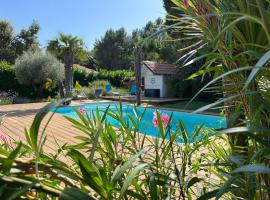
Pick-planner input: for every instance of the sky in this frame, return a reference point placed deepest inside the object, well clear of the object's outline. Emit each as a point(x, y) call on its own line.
point(88, 19)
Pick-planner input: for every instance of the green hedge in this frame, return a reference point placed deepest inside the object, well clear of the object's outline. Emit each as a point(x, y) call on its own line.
point(84, 78)
point(8, 82)
point(117, 77)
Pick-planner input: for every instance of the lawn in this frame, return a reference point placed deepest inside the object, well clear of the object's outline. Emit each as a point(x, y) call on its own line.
point(192, 106)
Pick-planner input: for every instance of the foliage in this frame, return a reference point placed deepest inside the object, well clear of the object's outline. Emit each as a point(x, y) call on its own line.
point(89, 92)
point(13, 45)
point(8, 81)
point(232, 37)
point(114, 50)
point(78, 87)
point(161, 48)
point(117, 77)
point(7, 97)
point(35, 69)
point(99, 84)
point(66, 47)
point(117, 162)
point(83, 77)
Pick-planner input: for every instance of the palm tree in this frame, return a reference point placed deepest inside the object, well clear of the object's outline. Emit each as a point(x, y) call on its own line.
point(65, 47)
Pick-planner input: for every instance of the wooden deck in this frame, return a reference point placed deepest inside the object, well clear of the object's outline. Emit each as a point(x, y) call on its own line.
point(20, 116)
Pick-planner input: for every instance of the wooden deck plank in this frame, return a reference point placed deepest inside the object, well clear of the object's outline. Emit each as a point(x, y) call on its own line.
point(20, 116)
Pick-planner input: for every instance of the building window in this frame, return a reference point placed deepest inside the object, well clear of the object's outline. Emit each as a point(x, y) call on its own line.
point(153, 80)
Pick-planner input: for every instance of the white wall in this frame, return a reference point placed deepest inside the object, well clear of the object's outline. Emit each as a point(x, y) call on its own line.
point(153, 81)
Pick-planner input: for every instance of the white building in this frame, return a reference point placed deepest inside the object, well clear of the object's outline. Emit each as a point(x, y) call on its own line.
point(154, 78)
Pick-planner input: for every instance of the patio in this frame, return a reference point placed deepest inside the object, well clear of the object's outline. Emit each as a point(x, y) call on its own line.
point(20, 116)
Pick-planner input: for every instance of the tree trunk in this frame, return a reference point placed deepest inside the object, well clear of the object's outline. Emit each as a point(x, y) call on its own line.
point(68, 79)
point(61, 89)
point(68, 72)
point(138, 75)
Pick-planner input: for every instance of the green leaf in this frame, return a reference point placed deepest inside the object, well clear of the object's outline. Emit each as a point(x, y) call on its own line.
point(153, 186)
point(204, 108)
point(18, 192)
point(74, 194)
point(264, 59)
point(120, 170)
point(204, 71)
point(7, 163)
point(215, 80)
point(131, 175)
point(90, 173)
point(192, 182)
point(208, 195)
point(256, 168)
point(34, 129)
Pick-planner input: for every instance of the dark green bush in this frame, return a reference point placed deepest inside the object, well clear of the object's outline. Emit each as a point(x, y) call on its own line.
point(8, 81)
point(83, 77)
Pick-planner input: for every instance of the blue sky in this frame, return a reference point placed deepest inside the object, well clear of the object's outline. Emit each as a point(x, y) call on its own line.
point(88, 19)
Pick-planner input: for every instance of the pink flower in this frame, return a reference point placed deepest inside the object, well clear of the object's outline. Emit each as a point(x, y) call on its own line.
point(186, 4)
point(82, 111)
point(155, 121)
point(3, 139)
point(164, 119)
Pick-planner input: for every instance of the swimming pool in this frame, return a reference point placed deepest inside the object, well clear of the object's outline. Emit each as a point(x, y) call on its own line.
point(191, 121)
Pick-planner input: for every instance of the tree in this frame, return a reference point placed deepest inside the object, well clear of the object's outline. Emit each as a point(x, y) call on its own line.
point(114, 50)
point(36, 68)
point(66, 47)
point(233, 40)
point(13, 45)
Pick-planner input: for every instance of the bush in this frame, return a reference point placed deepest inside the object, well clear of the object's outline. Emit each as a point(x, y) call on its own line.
point(99, 84)
point(36, 69)
point(117, 78)
point(89, 92)
point(8, 81)
point(119, 161)
point(7, 97)
point(83, 77)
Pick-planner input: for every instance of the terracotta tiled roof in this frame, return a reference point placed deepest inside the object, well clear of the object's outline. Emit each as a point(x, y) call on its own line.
point(161, 68)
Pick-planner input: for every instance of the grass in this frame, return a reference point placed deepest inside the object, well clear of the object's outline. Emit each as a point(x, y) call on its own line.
point(192, 106)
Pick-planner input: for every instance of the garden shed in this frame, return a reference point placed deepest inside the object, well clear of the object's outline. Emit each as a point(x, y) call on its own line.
point(154, 78)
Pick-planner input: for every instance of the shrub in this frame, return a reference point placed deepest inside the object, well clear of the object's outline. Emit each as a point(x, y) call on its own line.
point(89, 92)
point(36, 69)
point(83, 77)
point(99, 84)
point(8, 81)
point(7, 97)
point(117, 78)
point(115, 167)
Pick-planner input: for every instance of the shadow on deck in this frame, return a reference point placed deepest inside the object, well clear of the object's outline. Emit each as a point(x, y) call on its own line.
point(144, 99)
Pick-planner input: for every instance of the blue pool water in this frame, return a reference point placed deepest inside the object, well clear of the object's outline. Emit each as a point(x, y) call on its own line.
point(191, 121)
